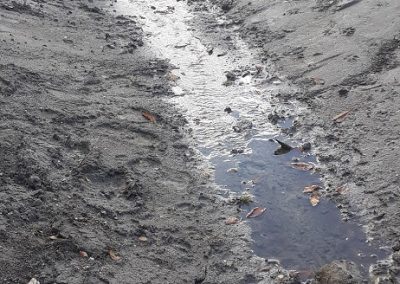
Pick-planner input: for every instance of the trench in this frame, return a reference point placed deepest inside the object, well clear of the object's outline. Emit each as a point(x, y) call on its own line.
point(227, 114)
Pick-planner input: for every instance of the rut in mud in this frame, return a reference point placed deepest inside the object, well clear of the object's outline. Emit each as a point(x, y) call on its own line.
point(226, 94)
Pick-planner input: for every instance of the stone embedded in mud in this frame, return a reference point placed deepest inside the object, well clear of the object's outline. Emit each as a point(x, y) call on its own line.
point(305, 147)
point(339, 272)
point(243, 125)
point(228, 110)
point(230, 76)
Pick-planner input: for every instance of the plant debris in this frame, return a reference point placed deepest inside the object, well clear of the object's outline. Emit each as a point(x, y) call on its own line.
point(150, 117)
point(311, 188)
point(83, 253)
point(341, 189)
point(255, 212)
point(143, 239)
point(302, 166)
point(341, 117)
point(113, 255)
point(314, 198)
point(231, 221)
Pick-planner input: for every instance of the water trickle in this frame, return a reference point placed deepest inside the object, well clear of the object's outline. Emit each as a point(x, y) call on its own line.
point(228, 115)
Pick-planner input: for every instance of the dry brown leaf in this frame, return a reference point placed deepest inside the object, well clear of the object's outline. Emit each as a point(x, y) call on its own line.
point(143, 239)
point(113, 255)
point(83, 253)
point(314, 199)
point(341, 189)
point(311, 188)
point(302, 166)
point(231, 221)
point(150, 117)
point(255, 212)
point(341, 116)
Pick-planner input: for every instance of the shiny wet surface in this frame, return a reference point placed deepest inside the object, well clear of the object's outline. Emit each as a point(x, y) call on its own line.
point(299, 235)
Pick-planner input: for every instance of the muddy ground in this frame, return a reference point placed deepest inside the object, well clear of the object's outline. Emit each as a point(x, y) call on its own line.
point(343, 58)
point(93, 192)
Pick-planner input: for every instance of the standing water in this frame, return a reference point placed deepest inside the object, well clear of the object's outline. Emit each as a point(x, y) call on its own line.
point(228, 115)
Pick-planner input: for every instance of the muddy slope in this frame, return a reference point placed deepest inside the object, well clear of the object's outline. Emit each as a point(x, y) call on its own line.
point(91, 190)
point(343, 57)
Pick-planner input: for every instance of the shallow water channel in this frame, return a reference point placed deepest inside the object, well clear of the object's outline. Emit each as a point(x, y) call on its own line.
point(299, 235)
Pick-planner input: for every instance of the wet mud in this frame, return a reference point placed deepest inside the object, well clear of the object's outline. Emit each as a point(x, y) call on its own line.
point(131, 130)
point(342, 57)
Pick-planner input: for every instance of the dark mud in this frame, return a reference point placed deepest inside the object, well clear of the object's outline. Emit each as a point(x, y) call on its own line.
point(341, 56)
point(91, 190)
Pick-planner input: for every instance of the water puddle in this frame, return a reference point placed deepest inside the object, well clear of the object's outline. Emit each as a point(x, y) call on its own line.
point(227, 112)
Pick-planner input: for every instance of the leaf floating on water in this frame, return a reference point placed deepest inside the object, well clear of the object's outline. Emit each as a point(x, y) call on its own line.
point(150, 117)
point(303, 166)
point(311, 188)
point(113, 255)
point(255, 212)
point(314, 199)
point(341, 117)
point(231, 221)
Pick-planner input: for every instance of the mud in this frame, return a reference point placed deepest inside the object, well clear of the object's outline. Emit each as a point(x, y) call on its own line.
point(92, 191)
point(341, 56)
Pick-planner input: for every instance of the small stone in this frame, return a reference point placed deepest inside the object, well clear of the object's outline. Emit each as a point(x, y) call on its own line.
point(228, 110)
point(343, 92)
point(306, 147)
point(273, 261)
point(230, 76)
point(143, 239)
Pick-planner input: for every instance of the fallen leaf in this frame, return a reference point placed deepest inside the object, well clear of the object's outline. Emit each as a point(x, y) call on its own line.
point(341, 189)
point(83, 253)
point(231, 221)
point(314, 199)
point(143, 239)
point(302, 166)
point(150, 117)
point(53, 238)
point(311, 188)
point(113, 255)
point(255, 212)
point(341, 117)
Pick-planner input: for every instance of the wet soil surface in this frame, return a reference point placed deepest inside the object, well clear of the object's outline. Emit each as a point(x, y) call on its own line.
point(117, 119)
point(225, 93)
point(341, 57)
point(98, 183)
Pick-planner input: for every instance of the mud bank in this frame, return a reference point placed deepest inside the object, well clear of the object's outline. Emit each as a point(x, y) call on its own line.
point(98, 181)
point(342, 56)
